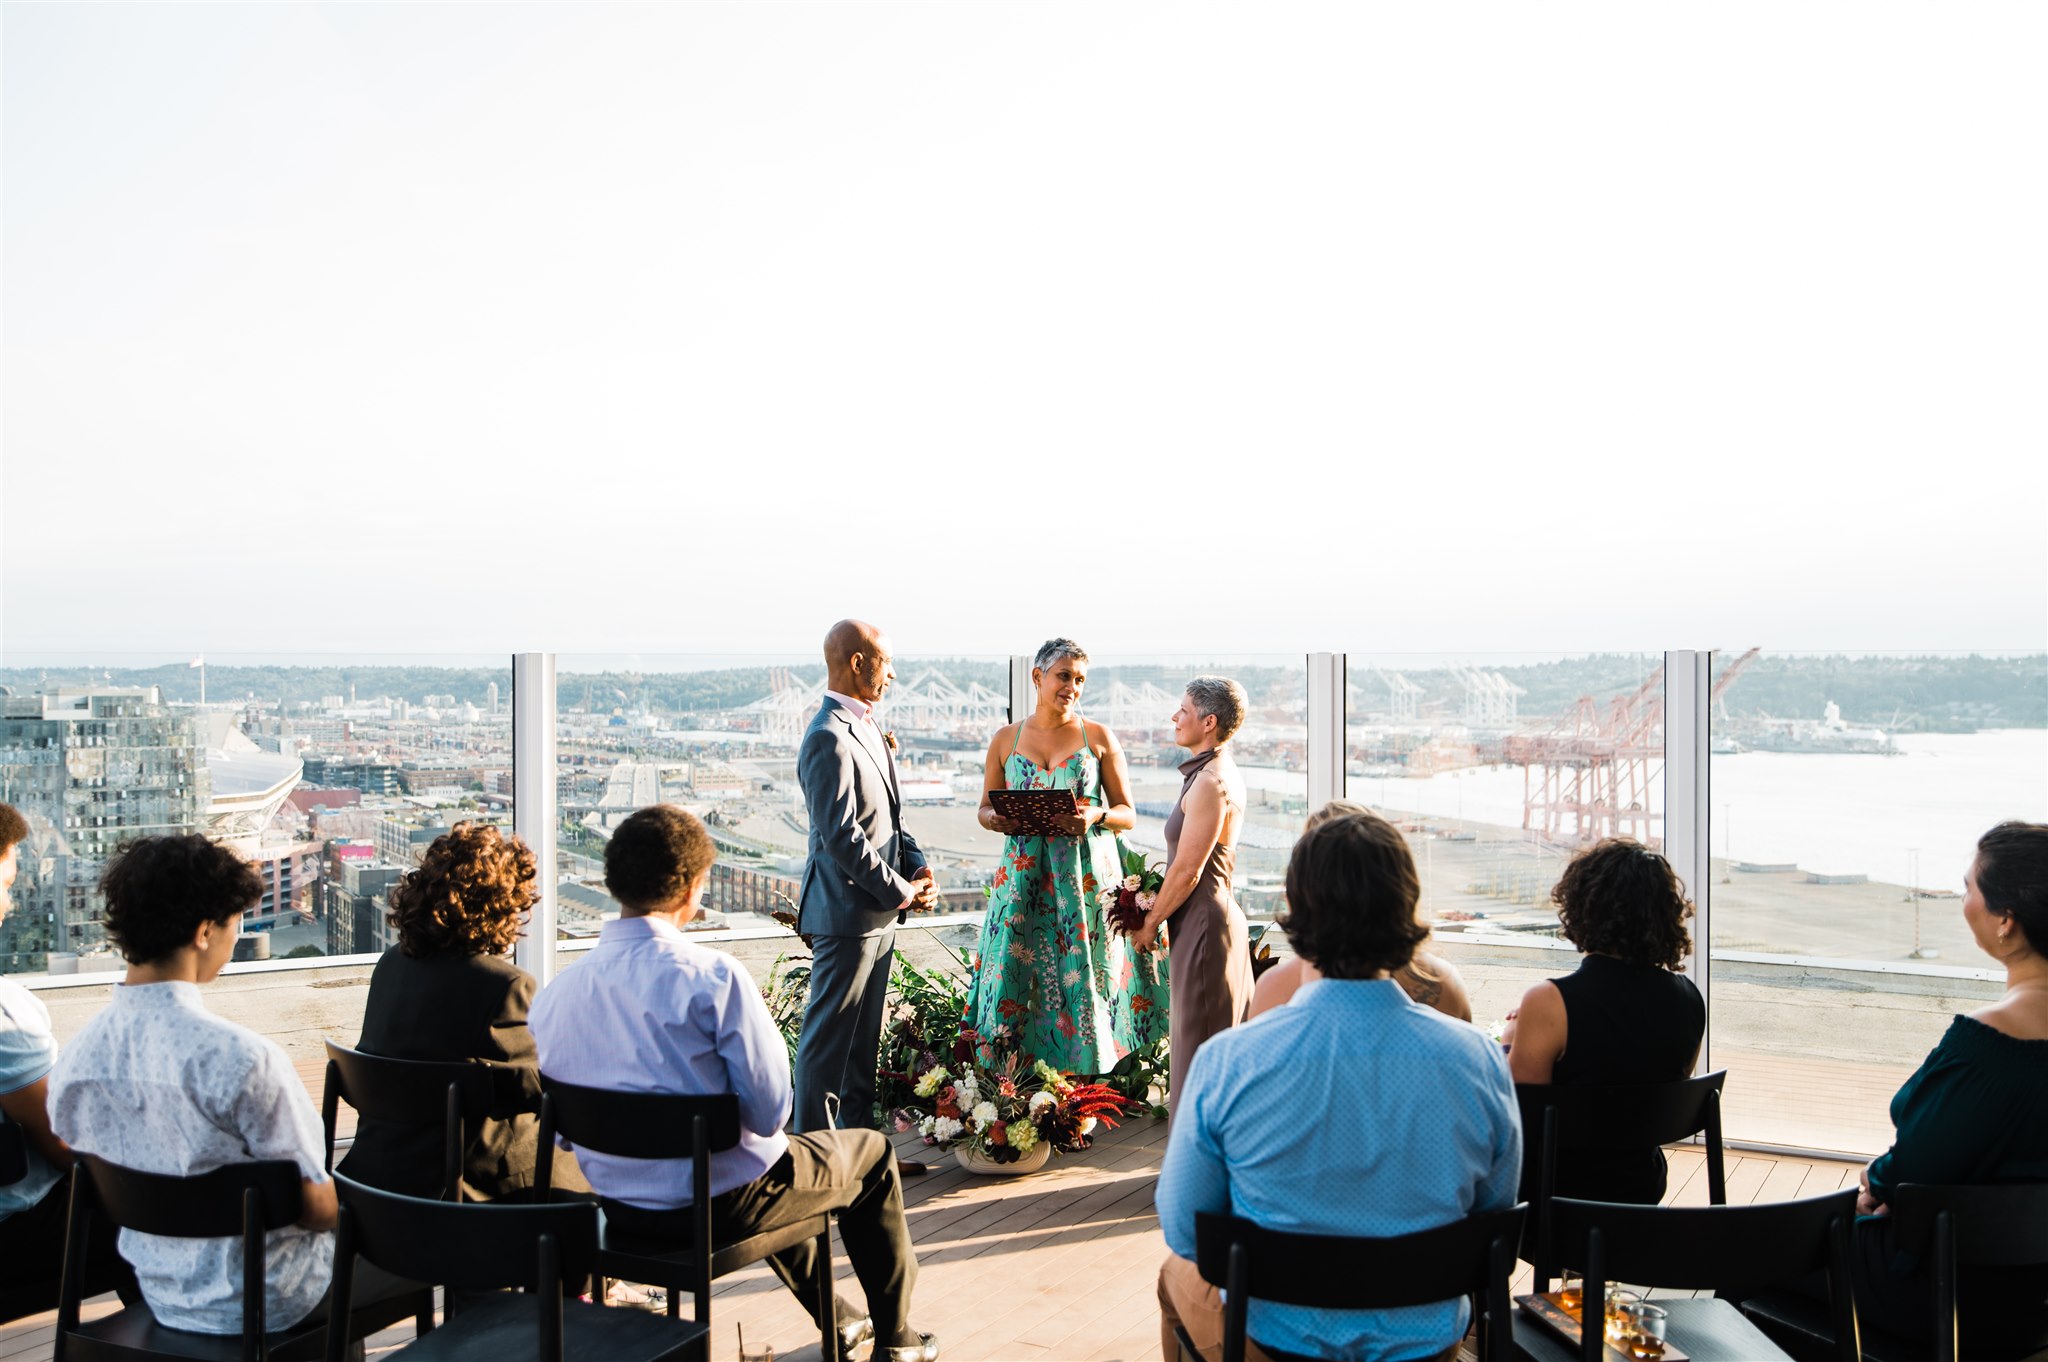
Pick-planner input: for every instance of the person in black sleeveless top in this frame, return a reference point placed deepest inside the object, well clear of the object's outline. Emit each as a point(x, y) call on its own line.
point(1626, 1016)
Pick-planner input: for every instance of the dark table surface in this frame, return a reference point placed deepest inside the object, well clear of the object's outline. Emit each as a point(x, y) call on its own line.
point(1705, 1330)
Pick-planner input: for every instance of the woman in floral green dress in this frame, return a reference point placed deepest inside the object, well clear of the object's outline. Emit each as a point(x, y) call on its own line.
point(1054, 979)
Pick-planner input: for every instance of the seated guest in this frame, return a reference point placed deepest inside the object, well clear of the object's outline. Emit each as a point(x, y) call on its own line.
point(33, 1207)
point(1275, 1125)
point(1626, 1015)
point(649, 1010)
point(1976, 1112)
point(157, 1083)
point(446, 991)
point(1428, 978)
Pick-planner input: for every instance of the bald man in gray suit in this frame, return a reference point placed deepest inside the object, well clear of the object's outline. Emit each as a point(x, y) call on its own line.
point(864, 872)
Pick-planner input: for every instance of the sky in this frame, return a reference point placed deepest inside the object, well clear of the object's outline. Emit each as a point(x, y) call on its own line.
point(1239, 329)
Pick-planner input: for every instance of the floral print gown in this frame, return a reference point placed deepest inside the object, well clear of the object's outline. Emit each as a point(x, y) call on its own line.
point(1054, 979)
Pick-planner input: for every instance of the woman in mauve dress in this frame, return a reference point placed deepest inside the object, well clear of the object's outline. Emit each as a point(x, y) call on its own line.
point(1209, 962)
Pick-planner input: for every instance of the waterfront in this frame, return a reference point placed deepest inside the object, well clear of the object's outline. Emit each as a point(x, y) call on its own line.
point(1834, 814)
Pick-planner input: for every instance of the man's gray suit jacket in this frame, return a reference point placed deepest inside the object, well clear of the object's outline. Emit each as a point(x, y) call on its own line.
point(861, 859)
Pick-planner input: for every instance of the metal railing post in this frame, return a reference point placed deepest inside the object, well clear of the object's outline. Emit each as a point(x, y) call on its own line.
point(1022, 697)
point(1326, 703)
point(534, 807)
point(1687, 686)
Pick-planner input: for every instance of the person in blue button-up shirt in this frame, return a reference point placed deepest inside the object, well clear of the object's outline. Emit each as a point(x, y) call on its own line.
point(649, 1010)
point(1352, 1110)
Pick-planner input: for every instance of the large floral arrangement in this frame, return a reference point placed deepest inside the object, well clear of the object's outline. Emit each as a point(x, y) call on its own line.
point(1126, 904)
point(1003, 1105)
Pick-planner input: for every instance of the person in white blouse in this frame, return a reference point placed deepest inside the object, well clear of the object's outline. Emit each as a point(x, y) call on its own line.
point(157, 1083)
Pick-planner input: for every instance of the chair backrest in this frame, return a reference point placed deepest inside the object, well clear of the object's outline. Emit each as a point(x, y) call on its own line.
point(1468, 1257)
point(467, 1245)
point(238, 1199)
point(1621, 1115)
point(1719, 1248)
point(636, 1125)
point(1993, 1226)
point(454, 1095)
point(203, 1206)
point(1707, 1247)
point(13, 1153)
point(1957, 1227)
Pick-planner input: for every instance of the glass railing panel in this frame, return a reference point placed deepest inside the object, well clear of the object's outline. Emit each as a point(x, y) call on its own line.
point(1847, 797)
point(719, 735)
point(1498, 767)
point(329, 773)
point(1136, 694)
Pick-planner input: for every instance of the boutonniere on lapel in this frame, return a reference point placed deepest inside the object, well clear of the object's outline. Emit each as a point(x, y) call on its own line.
point(890, 738)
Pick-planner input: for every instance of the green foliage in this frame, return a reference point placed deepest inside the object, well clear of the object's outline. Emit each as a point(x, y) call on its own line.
point(303, 953)
point(923, 1029)
point(787, 990)
point(1138, 1075)
point(923, 1025)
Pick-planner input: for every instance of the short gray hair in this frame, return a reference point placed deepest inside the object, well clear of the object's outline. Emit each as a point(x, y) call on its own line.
point(1222, 699)
point(1053, 649)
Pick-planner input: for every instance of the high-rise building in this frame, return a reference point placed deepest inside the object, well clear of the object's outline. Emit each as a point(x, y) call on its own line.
point(355, 906)
point(91, 768)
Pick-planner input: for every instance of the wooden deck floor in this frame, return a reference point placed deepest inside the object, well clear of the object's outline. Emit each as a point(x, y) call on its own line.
point(1058, 1265)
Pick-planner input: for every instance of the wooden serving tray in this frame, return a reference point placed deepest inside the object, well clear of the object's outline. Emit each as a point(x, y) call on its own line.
point(1546, 1311)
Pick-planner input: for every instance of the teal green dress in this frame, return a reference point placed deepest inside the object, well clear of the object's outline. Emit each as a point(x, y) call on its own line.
point(1053, 979)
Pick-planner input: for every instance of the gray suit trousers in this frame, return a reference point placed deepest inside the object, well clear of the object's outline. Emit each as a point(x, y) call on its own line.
point(842, 1033)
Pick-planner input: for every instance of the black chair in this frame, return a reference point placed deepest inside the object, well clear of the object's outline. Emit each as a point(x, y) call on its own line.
point(488, 1247)
point(1469, 1257)
point(1951, 1228)
point(639, 1125)
point(1725, 1249)
point(242, 1200)
point(13, 1153)
point(454, 1095)
point(1604, 1117)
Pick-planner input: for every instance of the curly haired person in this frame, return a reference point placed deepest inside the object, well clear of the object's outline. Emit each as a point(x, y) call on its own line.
point(447, 991)
point(1626, 1015)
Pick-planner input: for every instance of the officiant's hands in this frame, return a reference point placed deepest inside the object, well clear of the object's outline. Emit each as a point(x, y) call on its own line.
point(1084, 817)
point(995, 822)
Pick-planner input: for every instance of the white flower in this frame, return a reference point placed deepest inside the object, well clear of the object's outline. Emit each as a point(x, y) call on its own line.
point(1132, 883)
point(925, 1126)
point(945, 1128)
point(984, 1115)
point(967, 1092)
point(1087, 1124)
point(1041, 1099)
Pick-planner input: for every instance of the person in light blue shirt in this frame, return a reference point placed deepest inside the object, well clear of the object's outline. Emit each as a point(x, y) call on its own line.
point(1352, 1110)
point(649, 1010)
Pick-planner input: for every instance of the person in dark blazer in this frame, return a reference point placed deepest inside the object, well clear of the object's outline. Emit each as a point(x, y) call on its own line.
point(865, 870)
point(446, 991)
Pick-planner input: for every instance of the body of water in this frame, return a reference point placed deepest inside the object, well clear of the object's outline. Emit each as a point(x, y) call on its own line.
point(1838, 814)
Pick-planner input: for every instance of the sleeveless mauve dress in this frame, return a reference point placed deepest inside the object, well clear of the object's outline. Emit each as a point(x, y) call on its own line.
point(1209, 961)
